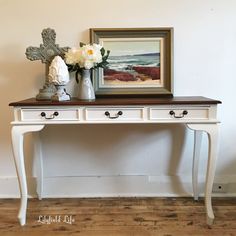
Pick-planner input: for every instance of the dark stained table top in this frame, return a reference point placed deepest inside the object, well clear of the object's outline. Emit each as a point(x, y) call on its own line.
point(120, 101)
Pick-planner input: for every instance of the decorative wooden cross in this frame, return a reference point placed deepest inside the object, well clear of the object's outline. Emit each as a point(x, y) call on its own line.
point(46, 52)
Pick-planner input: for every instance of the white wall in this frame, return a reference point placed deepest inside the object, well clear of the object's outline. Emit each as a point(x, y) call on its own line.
point(129, 159)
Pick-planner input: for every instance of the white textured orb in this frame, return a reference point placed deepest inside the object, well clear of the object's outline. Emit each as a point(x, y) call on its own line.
point(58, 72)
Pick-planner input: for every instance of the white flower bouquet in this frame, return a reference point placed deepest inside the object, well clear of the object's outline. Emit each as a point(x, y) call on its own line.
point(87, 56)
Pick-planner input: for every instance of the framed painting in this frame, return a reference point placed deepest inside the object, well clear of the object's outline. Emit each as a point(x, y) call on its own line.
point(140, 62)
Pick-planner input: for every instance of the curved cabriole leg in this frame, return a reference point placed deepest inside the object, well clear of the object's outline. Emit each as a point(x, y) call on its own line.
point(212, 131)
point(18, 132)
point(196, 156)
point(38, 159)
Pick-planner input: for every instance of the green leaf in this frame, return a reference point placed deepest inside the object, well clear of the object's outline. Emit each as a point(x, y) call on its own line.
point(76, 76)
point(81, 44)
point(102, 50)
point(105, 58)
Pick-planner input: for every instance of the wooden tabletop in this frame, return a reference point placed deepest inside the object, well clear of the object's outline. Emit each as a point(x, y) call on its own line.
point(119, 101)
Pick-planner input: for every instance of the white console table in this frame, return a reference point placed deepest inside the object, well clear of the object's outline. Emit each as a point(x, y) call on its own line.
point(197, 113)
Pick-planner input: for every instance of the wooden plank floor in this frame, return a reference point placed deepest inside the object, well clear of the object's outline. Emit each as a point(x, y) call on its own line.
point(118, 217)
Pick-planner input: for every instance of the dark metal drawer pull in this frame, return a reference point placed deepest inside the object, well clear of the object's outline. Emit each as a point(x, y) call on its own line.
point(43, 114)
point(119, 113)
point(184, 113)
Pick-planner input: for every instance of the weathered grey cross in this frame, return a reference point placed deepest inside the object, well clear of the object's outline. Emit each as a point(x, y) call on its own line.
point(46, 52)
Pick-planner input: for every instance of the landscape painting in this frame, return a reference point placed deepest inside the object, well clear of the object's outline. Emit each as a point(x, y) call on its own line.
point(140, 62)
point(133, 62)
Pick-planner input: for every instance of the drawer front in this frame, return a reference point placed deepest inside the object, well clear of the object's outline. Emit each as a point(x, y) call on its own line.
point(49, 114)
point(113, 114)
point(179, 113)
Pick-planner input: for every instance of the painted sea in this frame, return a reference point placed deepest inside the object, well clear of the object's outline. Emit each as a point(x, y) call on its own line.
point(140, 68)
point(121, 63)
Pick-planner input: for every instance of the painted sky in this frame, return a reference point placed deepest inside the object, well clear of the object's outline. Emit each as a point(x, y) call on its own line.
point(121, 47)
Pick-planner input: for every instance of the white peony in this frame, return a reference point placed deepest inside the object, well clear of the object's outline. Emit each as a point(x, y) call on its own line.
point(97, 53)
point(71, 56)
point(91, 53)
point(87, 56)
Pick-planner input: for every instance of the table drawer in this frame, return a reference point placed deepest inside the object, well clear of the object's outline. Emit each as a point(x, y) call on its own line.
point(179, 113)
point(49, 114)
point(114, 114)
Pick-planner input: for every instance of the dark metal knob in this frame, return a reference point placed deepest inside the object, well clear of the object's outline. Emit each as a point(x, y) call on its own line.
point(107, 113)
point(43, 114)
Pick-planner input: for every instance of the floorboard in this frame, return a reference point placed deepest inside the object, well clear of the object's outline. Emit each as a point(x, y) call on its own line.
point(118, 217)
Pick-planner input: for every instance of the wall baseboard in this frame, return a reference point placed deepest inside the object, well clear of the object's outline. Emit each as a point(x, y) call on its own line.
point(114, 186)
